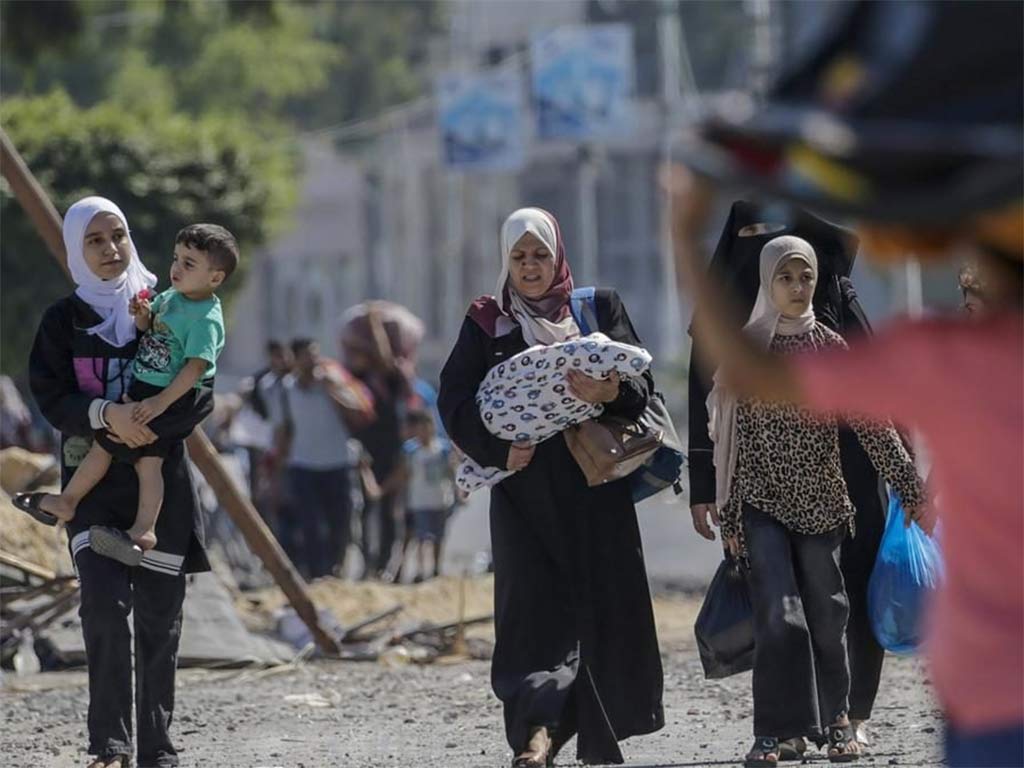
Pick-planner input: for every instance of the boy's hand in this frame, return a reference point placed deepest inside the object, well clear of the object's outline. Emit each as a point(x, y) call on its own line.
point(139, 307)
point(148, 409)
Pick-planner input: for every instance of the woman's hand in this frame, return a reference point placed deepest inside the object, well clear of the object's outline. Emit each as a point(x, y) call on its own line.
point(124, 429)
point(732, 546)
point(700, 514)
point(921, 514)
point(592, 390)
point(519, 456)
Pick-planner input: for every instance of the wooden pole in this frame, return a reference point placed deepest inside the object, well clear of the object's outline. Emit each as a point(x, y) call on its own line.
point(29, 569)
point(33, 200)
point(258, 536)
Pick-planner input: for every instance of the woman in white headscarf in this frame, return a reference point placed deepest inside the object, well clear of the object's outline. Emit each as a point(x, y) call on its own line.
point(784, 505)
point(107, 277)
point(571, 594)
point(78, 373)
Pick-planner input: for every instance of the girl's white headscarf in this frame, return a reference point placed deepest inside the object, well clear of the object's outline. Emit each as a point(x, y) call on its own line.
point(546, 320)
point(766, 320)
point(109, 298)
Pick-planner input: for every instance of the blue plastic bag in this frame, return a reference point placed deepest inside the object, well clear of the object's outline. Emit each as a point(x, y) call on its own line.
point(907, 570)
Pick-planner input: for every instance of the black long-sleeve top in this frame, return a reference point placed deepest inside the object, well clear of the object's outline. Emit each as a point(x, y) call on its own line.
point(69, 368)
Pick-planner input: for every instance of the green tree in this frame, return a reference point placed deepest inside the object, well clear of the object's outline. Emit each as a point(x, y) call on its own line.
point(307, 64)
point(164, 171)
point(383, 47)
point(182, 110)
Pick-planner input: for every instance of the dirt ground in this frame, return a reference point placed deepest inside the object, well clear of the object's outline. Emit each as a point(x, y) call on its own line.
point(322, 714)
point(328, 713)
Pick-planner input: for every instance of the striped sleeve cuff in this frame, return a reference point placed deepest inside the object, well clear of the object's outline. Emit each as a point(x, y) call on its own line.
point(96, 420)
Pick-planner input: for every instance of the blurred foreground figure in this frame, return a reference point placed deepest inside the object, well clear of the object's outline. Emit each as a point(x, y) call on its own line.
point(15, 418)
point(908, 117)
point(379, 342)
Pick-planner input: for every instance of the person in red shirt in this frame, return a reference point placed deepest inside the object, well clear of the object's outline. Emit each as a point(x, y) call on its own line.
point(926, 151)
point(960, 381)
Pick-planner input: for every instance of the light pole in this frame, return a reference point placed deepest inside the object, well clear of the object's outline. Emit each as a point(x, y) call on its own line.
point(587, 214)
point(675, 71)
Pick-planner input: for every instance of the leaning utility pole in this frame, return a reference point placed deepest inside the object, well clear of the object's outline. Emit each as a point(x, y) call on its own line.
point(257, 535)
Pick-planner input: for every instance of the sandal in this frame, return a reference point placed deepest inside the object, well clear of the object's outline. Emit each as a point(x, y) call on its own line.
point(531, 761)
point(115, 544)
point(842, 744)
point(764, 754)
point(543, 759)
point(29, 504)
point(105, 761)
point(792, 749)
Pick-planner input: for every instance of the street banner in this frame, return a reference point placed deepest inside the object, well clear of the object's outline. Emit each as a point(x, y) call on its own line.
point(481, 119)
point(582, 81)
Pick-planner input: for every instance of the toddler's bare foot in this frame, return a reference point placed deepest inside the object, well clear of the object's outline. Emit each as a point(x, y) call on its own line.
point(58, 506)
point(145, 538)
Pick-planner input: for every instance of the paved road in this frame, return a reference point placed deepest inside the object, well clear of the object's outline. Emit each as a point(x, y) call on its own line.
point(354, 715)
point(675, 553)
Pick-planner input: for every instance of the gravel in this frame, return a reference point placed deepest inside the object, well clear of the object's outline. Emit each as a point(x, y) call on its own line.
point(327, 713)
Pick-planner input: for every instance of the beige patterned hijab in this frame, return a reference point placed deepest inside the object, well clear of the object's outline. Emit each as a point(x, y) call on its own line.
point(766, 320)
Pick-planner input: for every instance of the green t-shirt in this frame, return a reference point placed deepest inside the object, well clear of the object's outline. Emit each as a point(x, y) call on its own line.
point(182, 329)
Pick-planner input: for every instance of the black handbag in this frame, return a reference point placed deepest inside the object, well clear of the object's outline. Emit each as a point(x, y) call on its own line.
point(725, 624)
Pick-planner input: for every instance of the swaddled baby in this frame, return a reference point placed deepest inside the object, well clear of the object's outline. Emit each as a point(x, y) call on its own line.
point(527, 398)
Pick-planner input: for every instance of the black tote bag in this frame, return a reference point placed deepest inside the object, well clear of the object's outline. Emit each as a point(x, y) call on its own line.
point(725, 624)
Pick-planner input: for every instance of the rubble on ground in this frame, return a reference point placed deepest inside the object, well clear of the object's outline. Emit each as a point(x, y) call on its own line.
point(22, 470)
point(20, 535)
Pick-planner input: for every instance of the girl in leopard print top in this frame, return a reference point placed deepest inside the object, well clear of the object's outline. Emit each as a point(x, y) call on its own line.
point(787, 462)
point(784, 504)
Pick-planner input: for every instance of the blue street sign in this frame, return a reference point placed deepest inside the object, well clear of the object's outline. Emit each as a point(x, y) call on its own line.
point(582, 81)
point(481, 120)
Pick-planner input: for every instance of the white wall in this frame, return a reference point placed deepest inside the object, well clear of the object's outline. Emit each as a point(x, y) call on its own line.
point(302, 281)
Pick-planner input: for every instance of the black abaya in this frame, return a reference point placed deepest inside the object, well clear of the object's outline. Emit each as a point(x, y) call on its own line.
point(576, 646)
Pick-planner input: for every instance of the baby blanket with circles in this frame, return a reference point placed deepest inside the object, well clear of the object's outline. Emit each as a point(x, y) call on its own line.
point(527, 397)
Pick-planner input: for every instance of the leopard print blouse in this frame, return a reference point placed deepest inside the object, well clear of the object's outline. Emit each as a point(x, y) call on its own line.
point(787, 464)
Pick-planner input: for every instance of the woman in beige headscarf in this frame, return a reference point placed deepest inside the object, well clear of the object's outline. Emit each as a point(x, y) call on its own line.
point(571, 599)
point(784, 506)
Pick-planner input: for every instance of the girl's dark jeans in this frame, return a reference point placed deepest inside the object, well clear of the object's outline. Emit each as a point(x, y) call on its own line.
point(801, 672)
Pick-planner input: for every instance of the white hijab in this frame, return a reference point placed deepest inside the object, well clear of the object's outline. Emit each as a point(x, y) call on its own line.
point(109, 298)
point(766, 320)
point(536, 328)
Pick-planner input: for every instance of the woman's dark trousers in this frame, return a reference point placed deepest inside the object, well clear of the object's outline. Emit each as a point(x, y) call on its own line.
point(801, 673)
point(110, 592)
